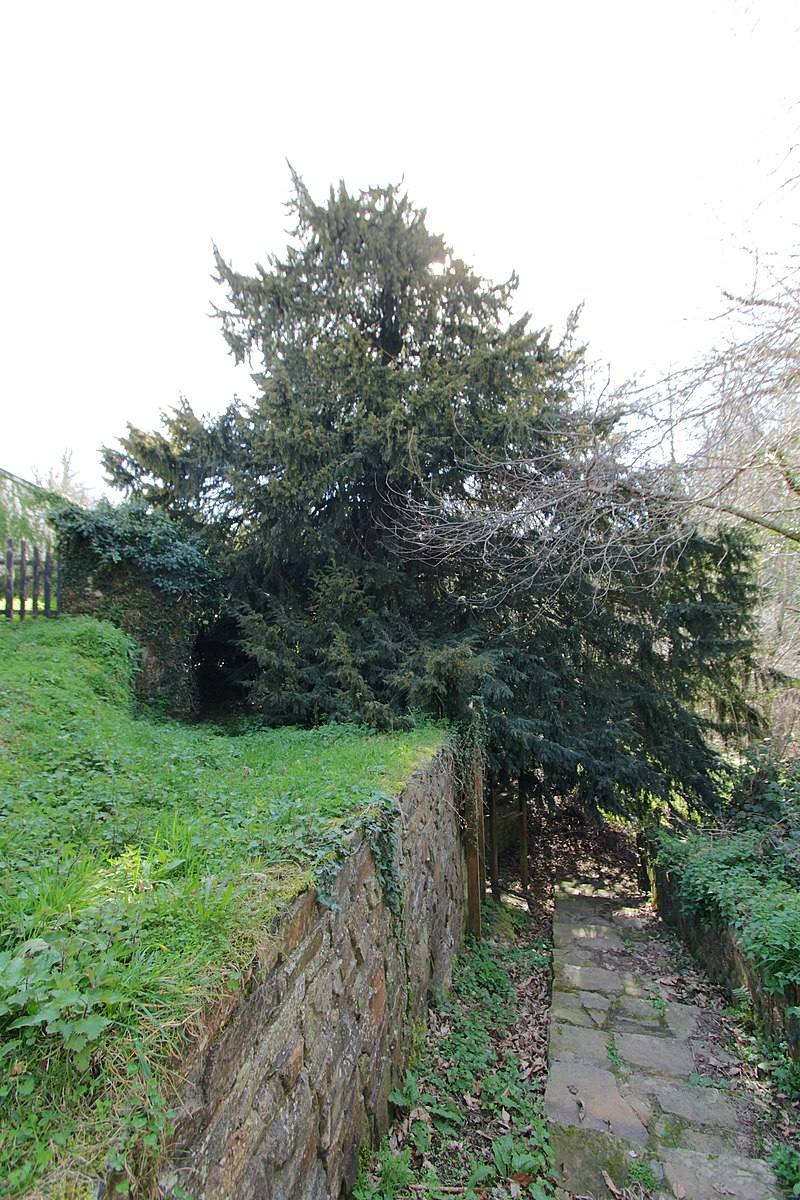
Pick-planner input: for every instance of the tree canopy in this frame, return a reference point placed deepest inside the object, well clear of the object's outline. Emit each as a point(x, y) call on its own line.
point(385, 369)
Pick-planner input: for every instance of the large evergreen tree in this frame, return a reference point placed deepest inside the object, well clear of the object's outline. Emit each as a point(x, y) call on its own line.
point(383, 362)
point(385, 366)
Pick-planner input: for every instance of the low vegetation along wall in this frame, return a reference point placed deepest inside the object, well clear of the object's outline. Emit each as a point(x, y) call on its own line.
point(286, 1084)
point(714, 941)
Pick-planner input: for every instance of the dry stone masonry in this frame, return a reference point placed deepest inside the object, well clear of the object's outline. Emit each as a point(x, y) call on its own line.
point(624, 1086)
point(284, 1086)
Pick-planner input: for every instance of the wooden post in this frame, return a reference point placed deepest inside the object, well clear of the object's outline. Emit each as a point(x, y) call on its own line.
point(59, 587)
point(481, 832)
point(523, 834)
point(473, 816)
point(23, 577)
point(479, 790)
point(35, 582)
point(48, 580)
point(494, 877)
point(9, 579)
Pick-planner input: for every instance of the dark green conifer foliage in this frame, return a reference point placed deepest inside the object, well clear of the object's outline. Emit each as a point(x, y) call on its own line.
point(383, 364)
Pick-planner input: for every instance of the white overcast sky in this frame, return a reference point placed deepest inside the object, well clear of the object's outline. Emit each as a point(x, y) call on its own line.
point(617, 152)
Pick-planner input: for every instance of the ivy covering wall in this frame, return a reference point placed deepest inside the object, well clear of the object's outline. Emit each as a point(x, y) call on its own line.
point(138, 569)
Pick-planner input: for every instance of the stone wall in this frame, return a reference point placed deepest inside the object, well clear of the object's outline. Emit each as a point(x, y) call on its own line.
point(286, 1083)
point(163, 627)
point(714, 943)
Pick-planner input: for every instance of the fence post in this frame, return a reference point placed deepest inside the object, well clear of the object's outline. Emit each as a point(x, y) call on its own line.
point(48, 580)
point(523, 835)
point(494, 873)
point(9, 579)
point(480, 818)
point(35, 582)
point(473, 799)
point(23, 577)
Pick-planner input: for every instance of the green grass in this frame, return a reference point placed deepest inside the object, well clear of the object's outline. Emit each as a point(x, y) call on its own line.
point(140, 863)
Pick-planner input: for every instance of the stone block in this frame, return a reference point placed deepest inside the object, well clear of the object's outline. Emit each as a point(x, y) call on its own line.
point(302, 959)
point(232, 1047)
point(664, 1056)
point(573, 955)
point(595, 1000)
point(315, 1185)
point(268, 1098)
point(225, 1163)
point(290, 1127)
point(345, 957)
point(589, 1098)
point(289, 1062)
point(591, 979)
point(253, 1184)
point(588, 935)
point(638, 1009)
point(361, 933)
point(566, 1006)
point(682, 1019)
point(295, 925)
point(340, 1130)
point(190, 1118)
point(319, 993)
point(702, 1177)
point(323, 1039)
point(377, 994)
point(292, 1180)
point(570, 1043)
point(697, 1105)
point(583, 1156)
point(280, 1027)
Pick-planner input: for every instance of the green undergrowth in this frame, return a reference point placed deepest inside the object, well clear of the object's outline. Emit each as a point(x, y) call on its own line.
point(747, 879)
point(746, 870)
point(468, 1115)
point(785, 1162)
point(746, 873)
point(140, 862)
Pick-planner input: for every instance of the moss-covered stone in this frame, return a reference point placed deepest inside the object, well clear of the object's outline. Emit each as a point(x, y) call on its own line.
point(583, 1155)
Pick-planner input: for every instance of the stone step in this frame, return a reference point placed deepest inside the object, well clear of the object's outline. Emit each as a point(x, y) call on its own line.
point(622, 1061)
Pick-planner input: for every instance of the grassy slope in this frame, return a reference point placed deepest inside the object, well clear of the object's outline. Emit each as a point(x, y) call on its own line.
point(139, 860)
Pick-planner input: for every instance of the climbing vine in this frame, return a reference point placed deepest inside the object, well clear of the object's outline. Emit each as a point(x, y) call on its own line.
point(140, 570)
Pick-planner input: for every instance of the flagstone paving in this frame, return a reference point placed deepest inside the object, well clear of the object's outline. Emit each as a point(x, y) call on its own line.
point(626, 1096)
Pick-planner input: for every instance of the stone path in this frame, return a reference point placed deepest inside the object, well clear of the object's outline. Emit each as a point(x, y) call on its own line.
point(626, 1095)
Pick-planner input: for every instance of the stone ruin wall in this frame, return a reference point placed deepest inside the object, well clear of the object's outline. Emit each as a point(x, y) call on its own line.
point(286, 1085)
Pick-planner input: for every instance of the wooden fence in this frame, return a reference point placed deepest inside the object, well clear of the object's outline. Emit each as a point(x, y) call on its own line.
point(30, 582)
